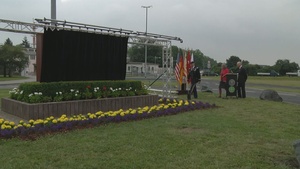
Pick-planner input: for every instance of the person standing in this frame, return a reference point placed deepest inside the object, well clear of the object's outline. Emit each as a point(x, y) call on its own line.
point(195, 77)
point(224, 72)
point(242, 78)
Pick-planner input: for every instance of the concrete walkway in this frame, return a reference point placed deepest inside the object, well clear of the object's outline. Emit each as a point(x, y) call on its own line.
point(10, 85)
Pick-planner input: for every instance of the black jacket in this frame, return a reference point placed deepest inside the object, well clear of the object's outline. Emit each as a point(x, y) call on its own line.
point(242, 76)
point(194, 74)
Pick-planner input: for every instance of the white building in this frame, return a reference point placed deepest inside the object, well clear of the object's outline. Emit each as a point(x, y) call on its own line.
point(138, 68)
point(31, 68)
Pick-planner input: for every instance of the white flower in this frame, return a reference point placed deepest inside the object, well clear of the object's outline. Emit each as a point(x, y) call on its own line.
point(77, 91)
point(60, 92)
point(72, 90)
point(120, 89)
point(75, 94)
point(56, 93)
point(30, 95)
point(40, 93)
point(36, 93)
point(21, 92)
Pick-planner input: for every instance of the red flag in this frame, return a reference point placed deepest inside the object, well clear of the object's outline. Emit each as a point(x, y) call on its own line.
point(188, 64)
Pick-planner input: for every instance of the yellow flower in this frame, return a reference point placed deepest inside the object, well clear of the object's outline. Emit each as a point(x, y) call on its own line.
point(133, 112)
point(3, 126)
point(54, 121)
point(11, 123)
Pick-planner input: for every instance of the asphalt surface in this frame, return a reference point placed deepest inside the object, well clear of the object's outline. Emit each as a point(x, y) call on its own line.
point(251, 91)
point(255, 93)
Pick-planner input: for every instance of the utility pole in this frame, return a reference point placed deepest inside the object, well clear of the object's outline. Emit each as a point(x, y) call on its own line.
point(53, 10)
point(146, 7)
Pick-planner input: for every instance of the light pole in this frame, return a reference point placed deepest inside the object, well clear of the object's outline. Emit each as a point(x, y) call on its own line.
point(146, 7)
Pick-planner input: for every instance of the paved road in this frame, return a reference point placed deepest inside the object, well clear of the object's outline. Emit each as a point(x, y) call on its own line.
point(252, 92)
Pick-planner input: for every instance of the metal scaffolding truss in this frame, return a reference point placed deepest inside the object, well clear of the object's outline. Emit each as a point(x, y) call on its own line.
point(134, 37)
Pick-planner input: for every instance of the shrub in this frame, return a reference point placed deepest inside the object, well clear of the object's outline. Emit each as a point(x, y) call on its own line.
point(35, 92)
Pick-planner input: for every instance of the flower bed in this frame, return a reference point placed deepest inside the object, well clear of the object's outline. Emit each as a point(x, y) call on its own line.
point(36, 128)
point(56, 109)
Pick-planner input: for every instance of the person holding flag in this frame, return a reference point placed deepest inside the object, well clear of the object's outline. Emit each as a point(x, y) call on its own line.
point(195, 77)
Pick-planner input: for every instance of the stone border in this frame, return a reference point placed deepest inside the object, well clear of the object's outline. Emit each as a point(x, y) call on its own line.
point(43, 110)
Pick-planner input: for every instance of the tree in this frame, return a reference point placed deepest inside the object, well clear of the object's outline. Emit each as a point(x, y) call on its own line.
point(137, 54)
point(12, 58)
point(198, 58)
point(283, 66)
point(25, 43)
point(252, 69)
point(8, 42)
point(231, 62)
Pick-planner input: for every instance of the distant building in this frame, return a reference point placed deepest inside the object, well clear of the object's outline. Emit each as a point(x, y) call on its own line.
point(138, 68)
point(31, 68)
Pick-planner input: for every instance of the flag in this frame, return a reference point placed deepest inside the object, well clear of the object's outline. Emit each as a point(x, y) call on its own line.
point(179, 68)
point(192, 58)
point(185, 72)
point(188, 65)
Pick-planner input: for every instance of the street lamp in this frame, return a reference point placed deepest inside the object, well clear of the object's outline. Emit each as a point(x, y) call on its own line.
point(146, 7)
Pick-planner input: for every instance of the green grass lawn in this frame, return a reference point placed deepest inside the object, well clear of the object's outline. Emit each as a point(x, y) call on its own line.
point(241, 133)
point(266, 80)
point(287, 90)
point(4, 93)
point(11, 78)
point(281, 81)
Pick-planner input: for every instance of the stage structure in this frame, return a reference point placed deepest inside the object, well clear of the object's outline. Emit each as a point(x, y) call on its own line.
point(134, 37)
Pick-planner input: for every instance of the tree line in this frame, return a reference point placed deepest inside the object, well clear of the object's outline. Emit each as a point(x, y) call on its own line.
point(154, 55)
point(12, 58)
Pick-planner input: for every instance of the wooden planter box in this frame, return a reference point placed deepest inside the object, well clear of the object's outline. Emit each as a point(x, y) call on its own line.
point(43, 110)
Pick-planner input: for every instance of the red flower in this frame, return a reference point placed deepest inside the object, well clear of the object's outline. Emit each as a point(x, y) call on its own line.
point(88, 87)
point(104, 87)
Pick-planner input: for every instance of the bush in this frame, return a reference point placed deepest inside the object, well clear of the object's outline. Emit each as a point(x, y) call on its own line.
point(35, 92)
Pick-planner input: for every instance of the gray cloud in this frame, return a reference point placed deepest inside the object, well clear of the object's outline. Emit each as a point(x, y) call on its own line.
point(260, 31)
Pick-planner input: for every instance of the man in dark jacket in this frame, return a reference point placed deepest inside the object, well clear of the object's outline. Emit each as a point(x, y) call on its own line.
point(242, 78)
point(195, 77)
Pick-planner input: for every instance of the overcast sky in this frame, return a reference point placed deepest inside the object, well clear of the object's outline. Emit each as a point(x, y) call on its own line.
point(260, 31)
